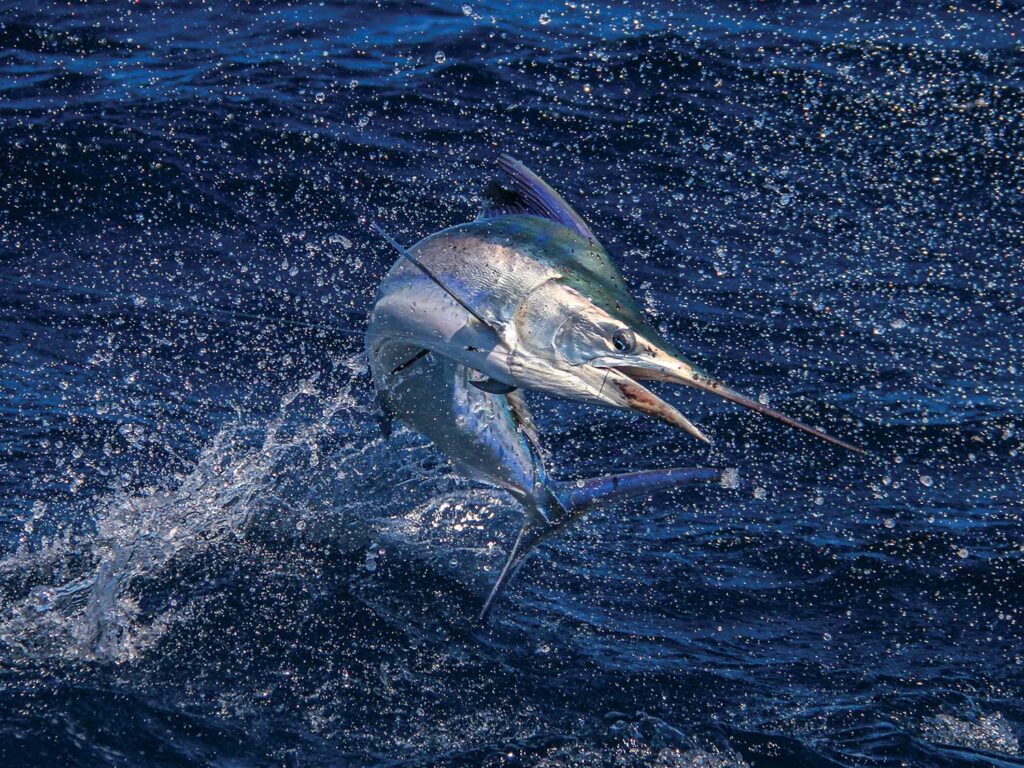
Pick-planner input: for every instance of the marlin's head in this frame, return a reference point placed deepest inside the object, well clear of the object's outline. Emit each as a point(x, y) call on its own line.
point(570, 346)
point(551, 313)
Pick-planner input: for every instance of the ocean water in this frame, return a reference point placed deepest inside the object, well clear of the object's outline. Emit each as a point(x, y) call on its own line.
point(209, 555)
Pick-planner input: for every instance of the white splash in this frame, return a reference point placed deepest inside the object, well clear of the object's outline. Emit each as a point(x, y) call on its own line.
point(85, 603)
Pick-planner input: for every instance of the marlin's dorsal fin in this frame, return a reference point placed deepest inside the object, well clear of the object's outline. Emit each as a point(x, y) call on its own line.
point(531, 195)
point(503, 202)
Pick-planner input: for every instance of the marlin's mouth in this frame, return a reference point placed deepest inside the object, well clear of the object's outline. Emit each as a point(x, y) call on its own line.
point(660, 366)
point(639, 398)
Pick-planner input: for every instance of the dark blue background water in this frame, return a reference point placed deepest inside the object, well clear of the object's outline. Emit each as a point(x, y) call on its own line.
point(209, 554)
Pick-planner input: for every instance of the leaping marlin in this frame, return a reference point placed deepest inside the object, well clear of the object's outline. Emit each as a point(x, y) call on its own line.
point(524, 298)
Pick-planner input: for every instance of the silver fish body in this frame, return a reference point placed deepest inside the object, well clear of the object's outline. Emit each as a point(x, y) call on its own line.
point(524, 299)
point(488, 437)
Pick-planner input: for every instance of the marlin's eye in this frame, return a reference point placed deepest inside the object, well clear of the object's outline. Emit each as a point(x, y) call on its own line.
point(624, 340)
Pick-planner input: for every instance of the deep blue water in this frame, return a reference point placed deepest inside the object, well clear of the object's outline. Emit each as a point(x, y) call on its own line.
point(210, 556)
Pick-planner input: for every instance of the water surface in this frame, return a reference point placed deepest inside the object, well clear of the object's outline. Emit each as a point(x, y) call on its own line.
point(210, 556)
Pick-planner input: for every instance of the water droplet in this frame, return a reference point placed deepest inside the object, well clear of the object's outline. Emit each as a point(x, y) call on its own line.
point(760, 493)
point(889, 523)
point(439, 57)
point(45, 597)
point(962, 553)
point(544, 19)
point(926, 481)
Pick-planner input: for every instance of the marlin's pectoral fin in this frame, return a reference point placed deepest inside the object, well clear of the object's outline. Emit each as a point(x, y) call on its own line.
point(575, 499)
point(492, 386)
point(410, 362)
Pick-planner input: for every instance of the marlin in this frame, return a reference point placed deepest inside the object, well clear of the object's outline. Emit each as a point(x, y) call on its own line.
point(525, 298)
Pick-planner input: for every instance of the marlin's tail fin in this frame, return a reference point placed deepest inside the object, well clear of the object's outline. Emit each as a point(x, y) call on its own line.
point(578, 497)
